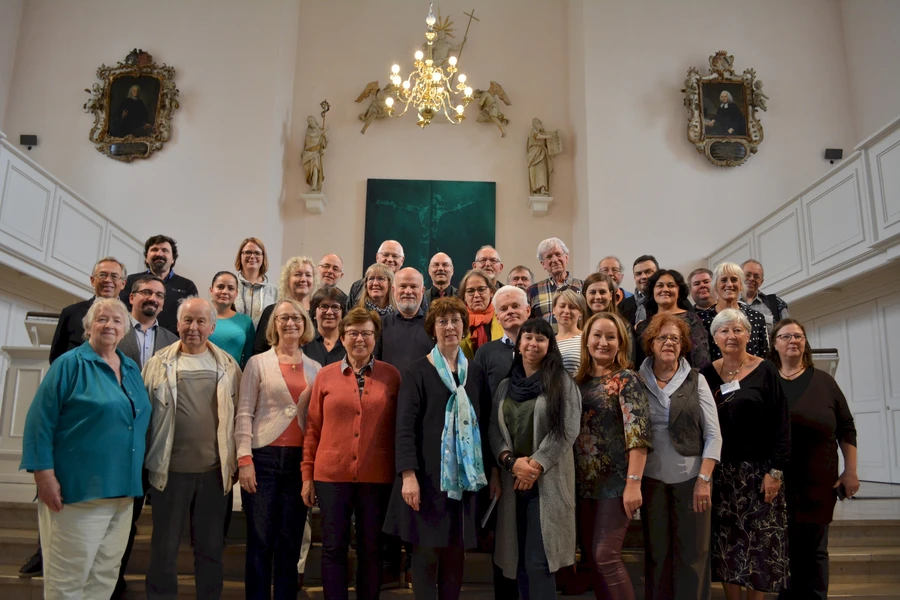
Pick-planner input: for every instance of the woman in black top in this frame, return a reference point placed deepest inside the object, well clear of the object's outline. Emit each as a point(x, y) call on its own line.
point(433, 502)
point(749, 543)
point(820, 420)
point(327, 310)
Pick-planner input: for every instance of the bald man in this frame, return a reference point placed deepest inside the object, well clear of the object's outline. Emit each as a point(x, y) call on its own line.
point(390, 254)
point(440, 269)
point(488, 260)
point(403, 338)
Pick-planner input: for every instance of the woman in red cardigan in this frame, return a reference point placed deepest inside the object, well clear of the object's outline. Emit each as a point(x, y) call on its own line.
point(348, 455)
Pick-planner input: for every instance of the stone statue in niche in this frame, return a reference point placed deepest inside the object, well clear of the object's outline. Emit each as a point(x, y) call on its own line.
point(489, 106)
point(313, 151)
point(542, 146)
point(376, 109)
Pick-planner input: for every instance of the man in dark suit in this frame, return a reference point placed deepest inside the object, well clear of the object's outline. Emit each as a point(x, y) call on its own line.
point(108, 279)
point(728, 120)
point(632, 309)
point(160, 254)
point(143, 337)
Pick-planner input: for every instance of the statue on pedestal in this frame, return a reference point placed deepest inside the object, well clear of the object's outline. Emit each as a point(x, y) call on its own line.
point(313, 150)
point(542, 147)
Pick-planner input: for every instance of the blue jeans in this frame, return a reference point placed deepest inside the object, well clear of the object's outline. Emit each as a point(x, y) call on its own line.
point(276, 516)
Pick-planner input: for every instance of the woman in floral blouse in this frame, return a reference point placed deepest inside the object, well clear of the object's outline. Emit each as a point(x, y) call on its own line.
point(610, 451)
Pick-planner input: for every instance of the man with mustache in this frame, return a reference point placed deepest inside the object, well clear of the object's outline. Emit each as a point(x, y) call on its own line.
point(141, 341)
point(160, 254)
point(440, 269)
point(488, 260)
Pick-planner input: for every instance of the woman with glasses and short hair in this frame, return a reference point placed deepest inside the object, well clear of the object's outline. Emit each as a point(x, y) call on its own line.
point(254, 292)
point(327, 308)
point(821, 422)
point(348, 462)
point(268, 433)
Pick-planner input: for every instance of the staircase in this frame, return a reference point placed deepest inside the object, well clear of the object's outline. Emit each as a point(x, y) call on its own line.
point(865, 560)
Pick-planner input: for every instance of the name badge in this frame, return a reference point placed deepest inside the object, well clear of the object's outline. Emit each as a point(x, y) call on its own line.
point(728, 388)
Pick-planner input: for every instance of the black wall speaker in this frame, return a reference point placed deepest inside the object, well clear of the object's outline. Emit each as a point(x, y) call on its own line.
point(833, 154)
point(28, 140)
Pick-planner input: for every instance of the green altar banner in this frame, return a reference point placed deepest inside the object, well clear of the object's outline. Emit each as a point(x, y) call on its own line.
point(426, 217)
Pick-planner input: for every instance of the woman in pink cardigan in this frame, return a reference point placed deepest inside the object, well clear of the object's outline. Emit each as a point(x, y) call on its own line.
point(268, 432)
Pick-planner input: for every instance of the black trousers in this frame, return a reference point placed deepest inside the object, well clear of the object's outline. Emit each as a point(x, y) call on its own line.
point(437, 573)
point(200, 497)
point(808, 551)
point(338, 502)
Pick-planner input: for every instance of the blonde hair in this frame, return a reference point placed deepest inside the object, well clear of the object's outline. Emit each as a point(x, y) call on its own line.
point(382, 270)
point(731, 269)
point(272, 331)
point(293, 264)
point(574, 298)
point(622, 360)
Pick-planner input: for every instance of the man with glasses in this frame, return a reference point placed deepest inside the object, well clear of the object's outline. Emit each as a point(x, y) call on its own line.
point(554, 256)
point(390, 254)
point(403, 338)
point(488, 260)
point(160, 254)
point(330, 270)
point(771, 306)
point(440, 269)
point(142, 340)
point(612, 266)
point(108, 280)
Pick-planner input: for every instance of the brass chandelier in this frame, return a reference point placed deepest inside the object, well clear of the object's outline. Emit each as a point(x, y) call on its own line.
point(428, 88)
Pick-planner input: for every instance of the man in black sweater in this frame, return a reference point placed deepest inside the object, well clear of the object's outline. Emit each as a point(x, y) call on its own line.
point(160, 254)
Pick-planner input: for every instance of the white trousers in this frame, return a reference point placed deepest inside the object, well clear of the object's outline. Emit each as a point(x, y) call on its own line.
point(83, 546)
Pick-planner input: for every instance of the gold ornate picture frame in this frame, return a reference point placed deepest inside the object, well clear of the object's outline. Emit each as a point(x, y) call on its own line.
point(722, 108)
point(132, 107)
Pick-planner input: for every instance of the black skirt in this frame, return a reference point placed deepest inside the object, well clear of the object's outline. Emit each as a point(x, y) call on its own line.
point(749, 535)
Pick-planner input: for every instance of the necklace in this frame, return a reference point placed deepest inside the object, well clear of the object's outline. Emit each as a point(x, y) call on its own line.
point(658, 378)
point(792, 375)
point(733, 374)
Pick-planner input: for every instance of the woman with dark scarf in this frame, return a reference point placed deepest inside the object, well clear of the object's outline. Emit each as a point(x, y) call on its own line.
point(534, 423)
point(611, 450)
point(476, 291)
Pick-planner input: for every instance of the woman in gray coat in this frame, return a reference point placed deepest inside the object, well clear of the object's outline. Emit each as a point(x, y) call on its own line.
point(534, 423)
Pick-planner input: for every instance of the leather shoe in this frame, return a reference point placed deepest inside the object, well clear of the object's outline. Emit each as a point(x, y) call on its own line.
point(33, 567)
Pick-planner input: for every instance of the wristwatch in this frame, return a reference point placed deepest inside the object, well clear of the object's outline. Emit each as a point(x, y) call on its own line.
point(705, 478)
point(776, 474)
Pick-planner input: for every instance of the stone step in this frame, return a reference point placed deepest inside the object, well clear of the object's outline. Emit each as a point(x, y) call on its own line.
point(864, 533)
point(14, 588)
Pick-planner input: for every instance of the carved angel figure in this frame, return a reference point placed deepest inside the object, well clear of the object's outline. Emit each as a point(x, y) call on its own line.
point(313, 150)
point(376, 108)
point(489, 107)
point(759, 97)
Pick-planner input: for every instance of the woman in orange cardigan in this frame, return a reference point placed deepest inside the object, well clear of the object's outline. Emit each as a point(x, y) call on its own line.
point(348, 455)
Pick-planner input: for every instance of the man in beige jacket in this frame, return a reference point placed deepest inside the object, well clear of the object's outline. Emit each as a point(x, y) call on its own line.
point(191, 459)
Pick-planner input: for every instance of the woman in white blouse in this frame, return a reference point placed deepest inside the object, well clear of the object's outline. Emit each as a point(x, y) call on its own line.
point(271, 418)
point(677, 480)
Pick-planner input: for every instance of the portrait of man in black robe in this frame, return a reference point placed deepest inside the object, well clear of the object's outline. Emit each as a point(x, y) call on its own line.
point(130, 114)
point(724, 117)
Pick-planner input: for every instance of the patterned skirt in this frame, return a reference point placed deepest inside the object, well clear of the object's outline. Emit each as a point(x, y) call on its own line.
point(749, 535)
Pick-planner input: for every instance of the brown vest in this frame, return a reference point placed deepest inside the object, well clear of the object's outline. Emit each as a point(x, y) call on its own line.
point(685, 418)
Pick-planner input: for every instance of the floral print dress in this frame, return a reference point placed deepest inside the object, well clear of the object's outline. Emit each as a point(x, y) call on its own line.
point(615, 418)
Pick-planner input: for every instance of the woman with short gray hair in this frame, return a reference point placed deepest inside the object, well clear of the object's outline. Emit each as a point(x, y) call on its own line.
point(91, 393)
point(749, 520)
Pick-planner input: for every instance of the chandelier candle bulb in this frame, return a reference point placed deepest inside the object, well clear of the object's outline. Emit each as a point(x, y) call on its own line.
point(395, 69)
point(452, 61)
point(419, 55)
point(462, 77)
point(389, 101)
point(468, 92)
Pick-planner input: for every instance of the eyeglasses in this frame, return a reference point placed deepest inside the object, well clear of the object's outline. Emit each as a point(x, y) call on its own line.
point(786, 337)
point(249, 253)
point(493, 261)
point(378, 278)
point(114, 277)
point(664, 339)
point(445, 323)
point(148, 293)
point(476, 290)
point(391, 255)
point(333, 268)
point(285, 318)
point(753, 276)
point(353, 334)
point(326, 308)
point(613, 270)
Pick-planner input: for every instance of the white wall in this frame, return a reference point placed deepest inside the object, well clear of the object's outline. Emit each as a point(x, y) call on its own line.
point(10, 17)
point(343, 46)
point(872, 38)
point(219, 179)
point(649, 190)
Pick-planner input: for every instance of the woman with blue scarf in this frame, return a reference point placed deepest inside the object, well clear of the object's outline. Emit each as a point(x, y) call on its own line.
point(442, 455)
point(534, 423)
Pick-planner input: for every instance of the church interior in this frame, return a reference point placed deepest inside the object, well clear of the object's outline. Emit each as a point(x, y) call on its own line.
point(630, 175)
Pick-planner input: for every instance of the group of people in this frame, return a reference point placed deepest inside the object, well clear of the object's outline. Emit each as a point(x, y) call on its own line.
point(526, 418)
